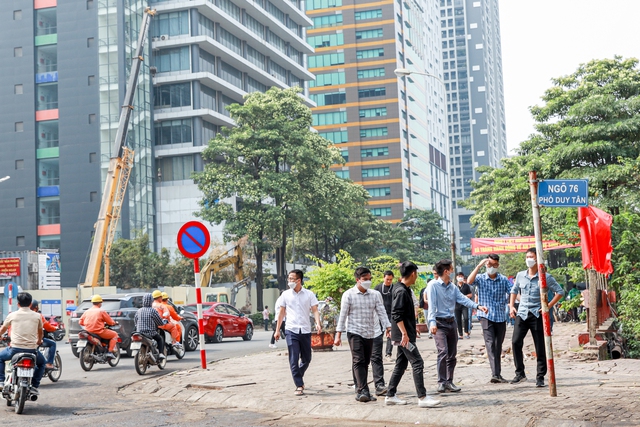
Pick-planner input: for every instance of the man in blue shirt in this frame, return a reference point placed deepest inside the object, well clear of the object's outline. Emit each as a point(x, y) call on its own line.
point(528, 316)
point(443, 295)
point(493, 293)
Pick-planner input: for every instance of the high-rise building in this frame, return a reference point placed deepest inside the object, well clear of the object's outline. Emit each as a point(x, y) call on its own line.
point(208, 54)
point(391, 130)
point(64, 72)
point(472, 61)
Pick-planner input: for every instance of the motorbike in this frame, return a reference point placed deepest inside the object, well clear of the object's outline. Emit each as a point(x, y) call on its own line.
point(92, 349)
point(17, 383)
point(147, 353)
point(170, 349)
point(59, 333)
point(55, 373)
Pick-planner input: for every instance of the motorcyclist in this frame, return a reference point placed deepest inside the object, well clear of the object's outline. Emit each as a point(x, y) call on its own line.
point(46, 342)
point(26, 336)
point(165, 314)
point(175, 318)
point(148, 320)
point(94, 320)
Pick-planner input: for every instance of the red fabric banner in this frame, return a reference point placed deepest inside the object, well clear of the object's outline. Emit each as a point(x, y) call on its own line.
point(504, 245)
point(9, 267)
point(595, 239)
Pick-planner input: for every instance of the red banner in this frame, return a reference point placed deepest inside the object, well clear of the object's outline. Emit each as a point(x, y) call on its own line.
point(504, 245)
point(9, 267)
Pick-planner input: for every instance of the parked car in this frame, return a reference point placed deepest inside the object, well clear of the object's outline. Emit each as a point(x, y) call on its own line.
point(122, 308)
point(223, 321)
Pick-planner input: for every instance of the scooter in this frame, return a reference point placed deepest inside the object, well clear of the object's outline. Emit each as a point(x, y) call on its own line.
point(93, 349)
point(147, 353)
point(179, 352)
point(17, 383)
point(54, 373)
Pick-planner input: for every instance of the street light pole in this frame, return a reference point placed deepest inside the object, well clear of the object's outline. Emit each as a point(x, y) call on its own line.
point(403, 72)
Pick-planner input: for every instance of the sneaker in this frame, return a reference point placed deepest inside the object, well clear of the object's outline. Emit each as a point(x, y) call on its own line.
point(381, 391)
point(428, 402)
point(441, 388)
point(177, 346)
point(110, 355)
point(363, 398)
point(273, 346)
point(452, 387)
point(467, 336)
point(34, 391)
point(498, 380)
point(540, 382)
point(372, 398)
point(394, 400)
point(162, 356)
point(388, 358)
point(430, 336)
point(518, 379)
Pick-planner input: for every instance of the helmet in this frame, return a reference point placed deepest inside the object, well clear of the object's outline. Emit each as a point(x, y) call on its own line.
point(165, 295)
point(156, 294)
point(96, 298)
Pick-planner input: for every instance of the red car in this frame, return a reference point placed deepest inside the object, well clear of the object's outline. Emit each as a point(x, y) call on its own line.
point(223, 321)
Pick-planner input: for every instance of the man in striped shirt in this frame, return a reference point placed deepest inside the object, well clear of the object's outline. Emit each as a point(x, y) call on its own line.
point(363, 307)
point(493, 293)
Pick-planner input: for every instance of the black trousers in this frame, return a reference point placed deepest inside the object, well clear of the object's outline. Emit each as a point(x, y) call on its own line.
point(361, 349)
point(403, 358)
point(462, 318)
point(389, 349)
point(493, 333)
point(447, 345)
point(533, 324)
point(377, 365)
point(282, 333)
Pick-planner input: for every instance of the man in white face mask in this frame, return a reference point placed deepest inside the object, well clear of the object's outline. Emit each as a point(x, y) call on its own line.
point(362, 311)
point(493, 293)
point(528, 316)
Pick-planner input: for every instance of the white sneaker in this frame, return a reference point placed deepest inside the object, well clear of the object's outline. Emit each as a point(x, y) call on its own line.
point(428, 402)
point(273, 346)
point(394, 400)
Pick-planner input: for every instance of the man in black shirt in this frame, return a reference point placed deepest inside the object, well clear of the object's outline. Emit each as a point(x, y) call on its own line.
point(462, 312)
point(403, 334)
point(385, 289)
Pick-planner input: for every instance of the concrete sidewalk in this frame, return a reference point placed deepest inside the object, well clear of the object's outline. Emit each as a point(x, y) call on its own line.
point(590, 393)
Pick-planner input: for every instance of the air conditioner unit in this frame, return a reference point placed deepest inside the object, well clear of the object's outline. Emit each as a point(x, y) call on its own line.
point(164, 37)
point(33, 268)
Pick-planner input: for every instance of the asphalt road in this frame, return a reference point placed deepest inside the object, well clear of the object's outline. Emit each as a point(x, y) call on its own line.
point(80, 396)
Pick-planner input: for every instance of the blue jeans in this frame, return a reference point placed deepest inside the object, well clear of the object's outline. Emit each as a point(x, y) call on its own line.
point(299, 355)
point(8, 353)
point(46, 342)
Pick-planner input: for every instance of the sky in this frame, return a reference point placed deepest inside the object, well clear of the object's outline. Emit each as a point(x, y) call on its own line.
point(543, 39)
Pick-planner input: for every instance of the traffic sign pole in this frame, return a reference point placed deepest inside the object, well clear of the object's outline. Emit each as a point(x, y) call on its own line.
point(544, 293)
point(193, 242)
point(10, 296)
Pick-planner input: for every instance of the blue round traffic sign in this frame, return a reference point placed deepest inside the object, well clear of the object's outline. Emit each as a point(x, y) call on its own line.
point(193, 239)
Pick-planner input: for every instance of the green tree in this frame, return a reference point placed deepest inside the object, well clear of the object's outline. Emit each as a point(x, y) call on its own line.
point(134, 265)
point(426, 235)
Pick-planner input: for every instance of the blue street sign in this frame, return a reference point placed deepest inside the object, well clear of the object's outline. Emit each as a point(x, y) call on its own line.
point(193, 239)
point(563, 193)
point(14, 290)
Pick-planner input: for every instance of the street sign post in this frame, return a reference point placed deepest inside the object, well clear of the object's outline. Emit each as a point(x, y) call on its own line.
point(563, 193)
point(193, 242)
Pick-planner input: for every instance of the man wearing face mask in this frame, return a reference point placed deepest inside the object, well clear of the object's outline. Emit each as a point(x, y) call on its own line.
point(528, 317)
point(462, 312)
point(296, 304)
point(362, 310)
point(385, 290)
point(493, 293)
point(443, 296)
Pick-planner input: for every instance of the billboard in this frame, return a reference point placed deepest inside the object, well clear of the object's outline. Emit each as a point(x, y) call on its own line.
point(49, 270)
point(9, 267)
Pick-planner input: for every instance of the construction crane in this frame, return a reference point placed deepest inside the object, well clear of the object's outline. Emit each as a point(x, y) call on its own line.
point(120, 165)
point(216, 264)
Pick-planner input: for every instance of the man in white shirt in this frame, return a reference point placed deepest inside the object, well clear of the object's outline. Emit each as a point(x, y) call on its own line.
point(265, 317)
point(364, 309)
point(296, 304)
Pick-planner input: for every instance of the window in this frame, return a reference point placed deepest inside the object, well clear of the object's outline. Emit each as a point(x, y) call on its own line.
point(326, 60)
point(322, 4)
point(231, 74)
point(380, 211)
point(168, 96)
point(326, 40)
point(369, 53)
point(368, 14)
point(372, 72)
point(327, 21)
point(343, 174)
point(255, 86)
point(255, 26)
point(19, 164)
point(17, 15)
point(328, 79)
point(18, 89)
point(176, 59)
point(333, 118)
point(17, 52)
point(256, 58)
point(229, 8)
point(89, 4)
point(176, 168)
point(91, 42)
point(373, 112)
point(173, 132)
point(92, 119)
point(329, 98)
point(374, 152)
point(209, 131)
point(337, 137)
point(277, 71)
point(208, 99)
point(20, 241)
point(20, 202)
point(276, 41)
point(369, 34)
point(371, 132)
point(19, 126)
point(230, 41)
point(379, 192)
point(372, 172)
point(170, 24)
point(206, 62)
point(206, 27)
point(91, 80)
point(93, 157)
point(345, 154)
point(368, 93)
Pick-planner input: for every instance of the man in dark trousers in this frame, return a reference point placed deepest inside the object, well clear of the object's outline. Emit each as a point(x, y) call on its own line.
point(443, 295)
point(462, 312)
point(493, 292)
point(403, 334)
point(528, 316)
point(385, 290)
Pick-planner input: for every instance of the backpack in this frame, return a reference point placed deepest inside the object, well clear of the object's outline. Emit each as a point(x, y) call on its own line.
point(421, 302)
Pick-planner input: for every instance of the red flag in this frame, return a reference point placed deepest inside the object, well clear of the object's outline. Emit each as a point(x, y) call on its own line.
point(595, 239)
